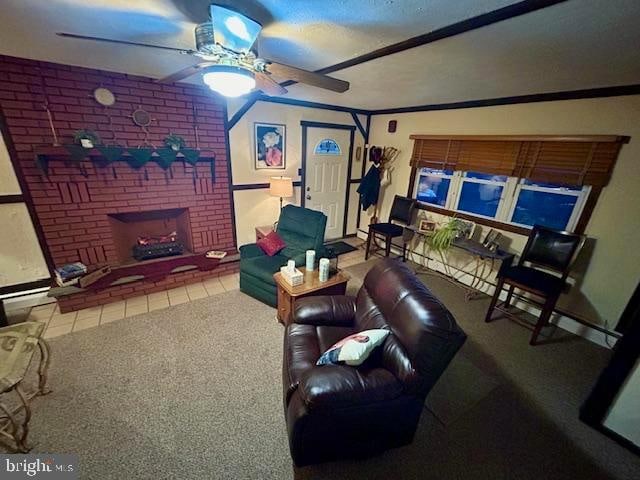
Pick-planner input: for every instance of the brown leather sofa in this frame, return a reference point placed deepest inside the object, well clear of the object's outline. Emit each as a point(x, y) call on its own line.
point(337, 411)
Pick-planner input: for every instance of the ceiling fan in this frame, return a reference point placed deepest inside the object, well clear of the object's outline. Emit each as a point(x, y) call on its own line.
point(228, 64)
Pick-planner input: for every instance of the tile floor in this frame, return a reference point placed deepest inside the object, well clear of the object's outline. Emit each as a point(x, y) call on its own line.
point(62, 323)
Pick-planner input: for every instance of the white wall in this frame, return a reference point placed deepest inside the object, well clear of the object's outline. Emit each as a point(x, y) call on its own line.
point(613, 271)
point(624, 414)
point(257, 207)
point(21, 258)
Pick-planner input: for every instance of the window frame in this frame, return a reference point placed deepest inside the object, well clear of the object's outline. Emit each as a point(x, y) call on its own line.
point(434, 173)
point(581, 195)
point(507, 187)
point(508, 199)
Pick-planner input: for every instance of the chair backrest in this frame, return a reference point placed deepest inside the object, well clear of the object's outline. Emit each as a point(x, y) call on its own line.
point(301, 229)
point(425, 334)
point(402, 209)
point(552, 249)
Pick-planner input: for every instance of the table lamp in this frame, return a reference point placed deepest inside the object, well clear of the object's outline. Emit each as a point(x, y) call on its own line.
point(281, 187)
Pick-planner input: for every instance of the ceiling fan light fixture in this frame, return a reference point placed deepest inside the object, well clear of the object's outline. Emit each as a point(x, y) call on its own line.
point(229, 81)
point(233, 30)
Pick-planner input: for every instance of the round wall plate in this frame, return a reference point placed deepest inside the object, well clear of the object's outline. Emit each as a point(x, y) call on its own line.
point(141, 117)
point(104, 96)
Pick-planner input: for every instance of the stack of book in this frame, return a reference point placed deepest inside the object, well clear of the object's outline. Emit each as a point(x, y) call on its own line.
point(216, 254)
point(70, 274)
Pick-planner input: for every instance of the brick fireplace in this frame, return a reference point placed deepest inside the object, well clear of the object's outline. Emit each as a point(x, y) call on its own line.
point(128, 228)
point(94, 213)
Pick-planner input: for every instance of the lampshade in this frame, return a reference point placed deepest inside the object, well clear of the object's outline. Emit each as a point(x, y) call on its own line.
point(281, 187)
point(229, 81)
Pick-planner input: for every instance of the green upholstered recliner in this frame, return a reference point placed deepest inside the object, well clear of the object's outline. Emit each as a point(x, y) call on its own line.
point(301, 229)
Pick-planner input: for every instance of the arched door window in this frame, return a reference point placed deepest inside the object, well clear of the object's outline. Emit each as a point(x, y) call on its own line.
point(327, 146)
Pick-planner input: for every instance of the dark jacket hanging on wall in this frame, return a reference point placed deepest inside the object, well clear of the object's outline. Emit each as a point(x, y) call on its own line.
point(370, 187)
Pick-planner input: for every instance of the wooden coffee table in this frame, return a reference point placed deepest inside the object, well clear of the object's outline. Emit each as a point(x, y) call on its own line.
point(312, 286)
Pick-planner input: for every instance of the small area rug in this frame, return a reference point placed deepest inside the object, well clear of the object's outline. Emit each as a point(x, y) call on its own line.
point(340, 248)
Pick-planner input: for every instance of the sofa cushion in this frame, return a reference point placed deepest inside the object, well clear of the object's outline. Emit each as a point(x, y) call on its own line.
point(250, 250)
point(263, 267)
point(271, 244)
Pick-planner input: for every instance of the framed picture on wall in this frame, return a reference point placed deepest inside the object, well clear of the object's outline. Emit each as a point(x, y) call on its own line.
point(270, 145)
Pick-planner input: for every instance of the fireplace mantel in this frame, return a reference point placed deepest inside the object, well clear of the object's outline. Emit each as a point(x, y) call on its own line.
point(52, 152)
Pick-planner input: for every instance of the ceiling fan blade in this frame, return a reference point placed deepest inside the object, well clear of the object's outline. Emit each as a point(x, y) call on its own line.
point(185, 72)
point(304, 76)
point(268, 85)
point(124, 42)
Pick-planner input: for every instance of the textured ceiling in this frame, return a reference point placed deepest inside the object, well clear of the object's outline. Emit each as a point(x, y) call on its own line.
point(570, 46)
point(577, 44)
point(305, 33)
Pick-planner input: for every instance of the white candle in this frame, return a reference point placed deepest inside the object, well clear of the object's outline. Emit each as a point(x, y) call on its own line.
point(324, 269)
point(311, 260)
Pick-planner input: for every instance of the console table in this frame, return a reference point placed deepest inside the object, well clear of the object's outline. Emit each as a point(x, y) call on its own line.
point(481, 263)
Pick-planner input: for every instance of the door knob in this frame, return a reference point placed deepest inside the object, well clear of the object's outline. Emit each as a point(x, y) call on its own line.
point(308, 197)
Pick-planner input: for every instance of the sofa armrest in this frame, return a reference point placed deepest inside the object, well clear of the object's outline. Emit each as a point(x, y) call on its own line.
point(250, 250)
point(343, 386)
point(326, 310)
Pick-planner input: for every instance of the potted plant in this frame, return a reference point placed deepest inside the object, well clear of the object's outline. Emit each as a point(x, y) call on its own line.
point(442, 238)
point(86, 138)
point(174, 142)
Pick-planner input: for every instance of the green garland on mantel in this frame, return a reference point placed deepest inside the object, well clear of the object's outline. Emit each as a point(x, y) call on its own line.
point(136, 157)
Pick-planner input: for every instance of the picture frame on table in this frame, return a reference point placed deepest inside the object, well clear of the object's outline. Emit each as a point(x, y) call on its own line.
point(426, 226)
point(492, 240)
point(270, 143)
point(466, 229)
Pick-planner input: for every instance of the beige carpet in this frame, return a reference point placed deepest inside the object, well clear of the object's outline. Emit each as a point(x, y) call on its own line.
point(194, 392)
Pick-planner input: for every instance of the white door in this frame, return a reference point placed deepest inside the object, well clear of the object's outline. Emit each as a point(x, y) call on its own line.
point(326, 175)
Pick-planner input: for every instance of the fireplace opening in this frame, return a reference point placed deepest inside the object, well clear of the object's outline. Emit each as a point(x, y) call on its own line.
point(139, 236)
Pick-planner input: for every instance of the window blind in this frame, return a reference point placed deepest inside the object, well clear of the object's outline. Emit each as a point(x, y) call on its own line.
point(436, 154)
point(572, 160)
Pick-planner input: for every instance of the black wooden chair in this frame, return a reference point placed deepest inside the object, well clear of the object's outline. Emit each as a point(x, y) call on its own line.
point(401, 211)
point(552, 250)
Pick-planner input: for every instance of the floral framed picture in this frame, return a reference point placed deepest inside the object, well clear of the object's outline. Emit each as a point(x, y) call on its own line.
point(270, 144)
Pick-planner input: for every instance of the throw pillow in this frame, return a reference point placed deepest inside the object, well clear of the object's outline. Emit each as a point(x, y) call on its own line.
point(354, 349)
point(271, 244)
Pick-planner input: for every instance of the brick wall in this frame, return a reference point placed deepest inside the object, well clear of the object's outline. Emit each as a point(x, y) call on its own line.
point(71, 208)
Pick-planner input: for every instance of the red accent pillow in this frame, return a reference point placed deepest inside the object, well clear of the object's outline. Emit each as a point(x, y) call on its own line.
point(271, 244)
